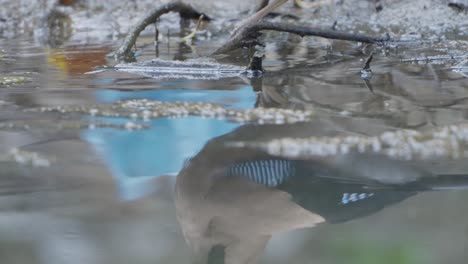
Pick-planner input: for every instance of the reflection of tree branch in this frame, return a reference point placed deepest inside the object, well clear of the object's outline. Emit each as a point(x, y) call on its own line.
point(369, 86)
point(397, 119)
point(250, 32)
point(424, 108)
point(453, 102)
point(184, 10)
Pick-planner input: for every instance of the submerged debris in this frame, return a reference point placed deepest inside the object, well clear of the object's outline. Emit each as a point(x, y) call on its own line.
point(148, 109)
point(445, 142)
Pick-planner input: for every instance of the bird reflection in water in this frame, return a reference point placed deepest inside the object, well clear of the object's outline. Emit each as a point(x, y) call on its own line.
point(231, 201)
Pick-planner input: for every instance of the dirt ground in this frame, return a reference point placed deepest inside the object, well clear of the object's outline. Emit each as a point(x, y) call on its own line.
point(111, 19)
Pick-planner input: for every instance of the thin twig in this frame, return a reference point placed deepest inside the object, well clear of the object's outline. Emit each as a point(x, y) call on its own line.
point(368, 61)
point(366, 73)
point(184, 10)
point(194, 31)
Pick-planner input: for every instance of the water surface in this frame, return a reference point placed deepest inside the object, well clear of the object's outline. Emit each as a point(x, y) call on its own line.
point(106, 194)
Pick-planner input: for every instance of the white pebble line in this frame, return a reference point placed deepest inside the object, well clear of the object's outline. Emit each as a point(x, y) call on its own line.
point(445, 142)
point(148, 109)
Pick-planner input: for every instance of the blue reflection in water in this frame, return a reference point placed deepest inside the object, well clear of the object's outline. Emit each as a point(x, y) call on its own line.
point(133, 157)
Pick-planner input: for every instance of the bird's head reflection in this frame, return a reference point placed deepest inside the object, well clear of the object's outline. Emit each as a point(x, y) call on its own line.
point(231, 201)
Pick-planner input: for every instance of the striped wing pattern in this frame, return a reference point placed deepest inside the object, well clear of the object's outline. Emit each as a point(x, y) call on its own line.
point(270, 173)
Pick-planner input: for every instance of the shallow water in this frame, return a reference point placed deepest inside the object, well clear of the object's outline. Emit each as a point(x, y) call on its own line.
point(88, 189)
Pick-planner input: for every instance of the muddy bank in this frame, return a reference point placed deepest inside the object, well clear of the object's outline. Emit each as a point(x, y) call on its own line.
point(106, 19)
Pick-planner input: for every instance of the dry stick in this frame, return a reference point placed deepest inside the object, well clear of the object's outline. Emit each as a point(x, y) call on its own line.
point(368, 61)
point(366, 73)
point(237, 40)
point(194, 31)
point(184, 10)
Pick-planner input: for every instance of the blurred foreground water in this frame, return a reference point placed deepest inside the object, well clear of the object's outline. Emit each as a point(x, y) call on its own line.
point(79, 188)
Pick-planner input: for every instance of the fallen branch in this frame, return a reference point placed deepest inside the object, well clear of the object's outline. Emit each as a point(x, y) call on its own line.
point(249, 33)
point(185, 11)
